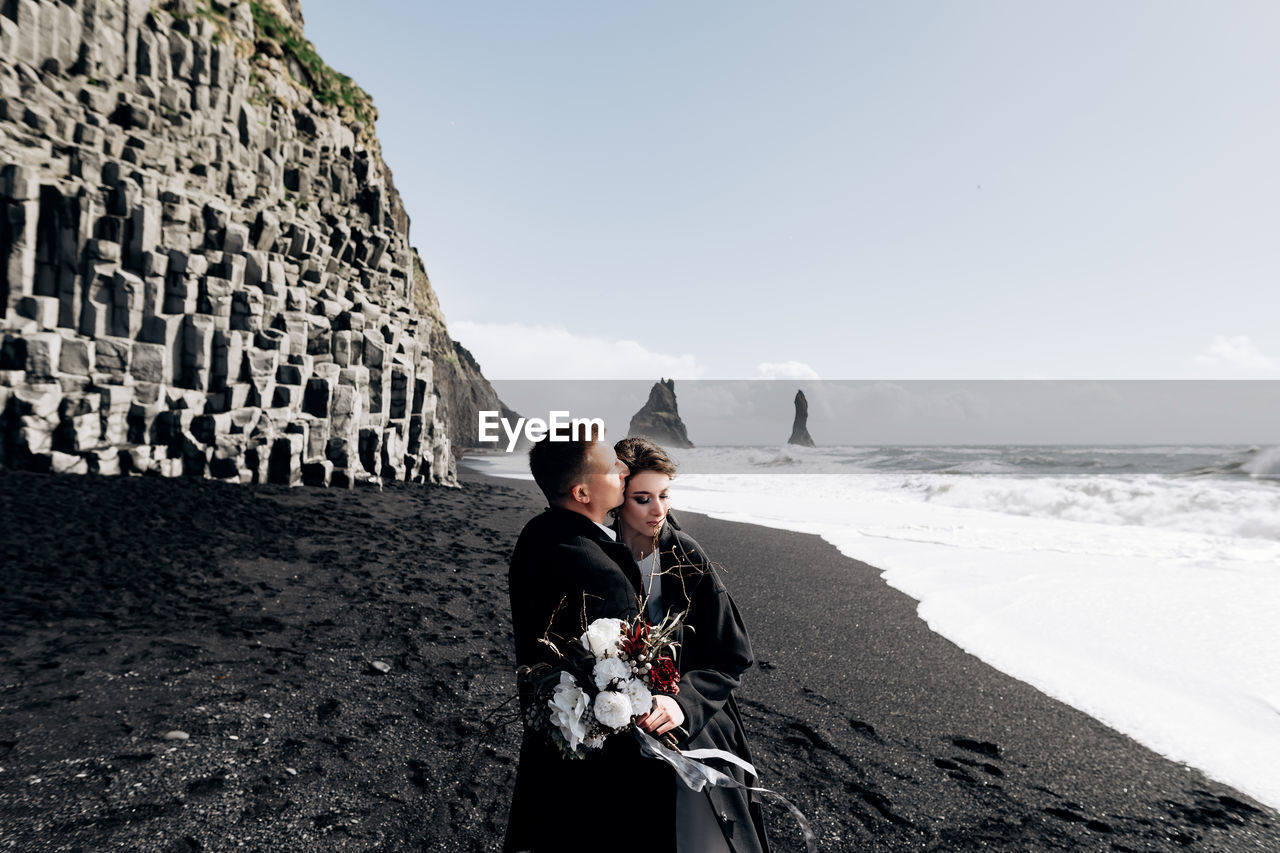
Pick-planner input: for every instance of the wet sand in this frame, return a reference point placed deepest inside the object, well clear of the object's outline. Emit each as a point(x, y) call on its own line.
point(258, 622)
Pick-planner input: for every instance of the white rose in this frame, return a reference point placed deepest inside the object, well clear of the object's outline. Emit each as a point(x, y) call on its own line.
point(640, 697)
point(568, 705)
point(603, 637)
point(609, 669)
point(612, 709)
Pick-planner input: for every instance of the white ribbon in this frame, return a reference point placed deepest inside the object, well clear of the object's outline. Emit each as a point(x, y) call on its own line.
point(697, 775)
point(723, 756)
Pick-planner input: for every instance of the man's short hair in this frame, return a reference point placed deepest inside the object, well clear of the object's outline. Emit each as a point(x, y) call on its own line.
point(557, 466)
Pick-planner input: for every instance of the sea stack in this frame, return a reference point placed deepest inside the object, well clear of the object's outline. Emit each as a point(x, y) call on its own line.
point(659, 418)
point(800, 429)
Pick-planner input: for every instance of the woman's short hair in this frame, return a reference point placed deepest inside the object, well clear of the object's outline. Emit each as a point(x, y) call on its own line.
point(641, 454)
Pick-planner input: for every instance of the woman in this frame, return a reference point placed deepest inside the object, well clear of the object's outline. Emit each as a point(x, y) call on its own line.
point(714, 651)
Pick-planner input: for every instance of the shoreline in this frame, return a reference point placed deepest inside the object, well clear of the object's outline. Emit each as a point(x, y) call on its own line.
point(1158, 630)
point(134, 608)
point(992, 760)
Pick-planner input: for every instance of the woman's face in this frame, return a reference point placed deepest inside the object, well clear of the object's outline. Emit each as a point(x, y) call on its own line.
point(646, 504)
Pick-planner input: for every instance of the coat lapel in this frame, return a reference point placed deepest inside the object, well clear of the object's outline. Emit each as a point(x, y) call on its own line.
point(675, 595)
point(621, 555)
point(612, 548)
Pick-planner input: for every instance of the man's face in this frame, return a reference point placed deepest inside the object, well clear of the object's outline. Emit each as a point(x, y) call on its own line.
point(607, 477)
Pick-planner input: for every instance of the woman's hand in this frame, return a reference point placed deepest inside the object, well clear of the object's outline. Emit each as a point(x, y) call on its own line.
point(664, 716)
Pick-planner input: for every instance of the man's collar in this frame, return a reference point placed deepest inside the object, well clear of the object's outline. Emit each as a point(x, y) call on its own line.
point(586, 524)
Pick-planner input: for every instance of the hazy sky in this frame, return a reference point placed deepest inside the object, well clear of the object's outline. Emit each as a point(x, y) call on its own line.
point(722, 412)
point(896, 190)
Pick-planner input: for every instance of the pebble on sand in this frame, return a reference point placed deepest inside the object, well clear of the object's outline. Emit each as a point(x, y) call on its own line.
point(177, 734)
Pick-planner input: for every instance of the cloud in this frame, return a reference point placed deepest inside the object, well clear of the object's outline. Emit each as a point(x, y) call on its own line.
point(890, 402)
point(1100, 393)
point(517, 351)
point(1236, 358)
point(723, 400)
point(785, 370)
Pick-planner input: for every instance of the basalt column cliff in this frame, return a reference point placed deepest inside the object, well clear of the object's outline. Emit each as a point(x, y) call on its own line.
point(205, 268)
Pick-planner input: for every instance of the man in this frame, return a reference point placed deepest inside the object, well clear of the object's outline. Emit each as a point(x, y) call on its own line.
point(566, 571)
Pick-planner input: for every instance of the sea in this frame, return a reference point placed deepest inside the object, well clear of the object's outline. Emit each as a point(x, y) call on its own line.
point(1138, 584)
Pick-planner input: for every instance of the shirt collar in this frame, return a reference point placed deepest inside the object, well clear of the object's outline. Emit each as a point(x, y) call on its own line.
point(580, 521)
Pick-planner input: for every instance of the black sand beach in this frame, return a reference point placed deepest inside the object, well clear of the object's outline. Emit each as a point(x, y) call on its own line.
point(256, 621)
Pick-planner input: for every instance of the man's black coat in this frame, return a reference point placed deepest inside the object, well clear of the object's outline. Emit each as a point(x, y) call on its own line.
point(566, 572)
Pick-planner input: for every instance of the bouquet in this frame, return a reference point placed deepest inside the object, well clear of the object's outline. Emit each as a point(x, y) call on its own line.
point(603, 680)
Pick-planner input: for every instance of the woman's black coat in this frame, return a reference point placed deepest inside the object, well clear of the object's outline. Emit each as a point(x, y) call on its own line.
point(714, 653)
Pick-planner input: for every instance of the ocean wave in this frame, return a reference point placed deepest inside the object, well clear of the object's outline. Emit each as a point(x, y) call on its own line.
point(1215, 508)
point(1037, 459)
point(982, 467)
point(1264, 464)
point(782, 458)
point(1224, 463)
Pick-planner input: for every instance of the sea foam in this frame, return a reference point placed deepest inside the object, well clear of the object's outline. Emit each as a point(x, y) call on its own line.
point(1265, 465)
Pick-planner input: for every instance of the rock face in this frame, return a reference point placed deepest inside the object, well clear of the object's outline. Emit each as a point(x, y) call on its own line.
point(462, 389)
point(800, 428)
point(464, 393)
point(205, 267)
point(659, 419)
